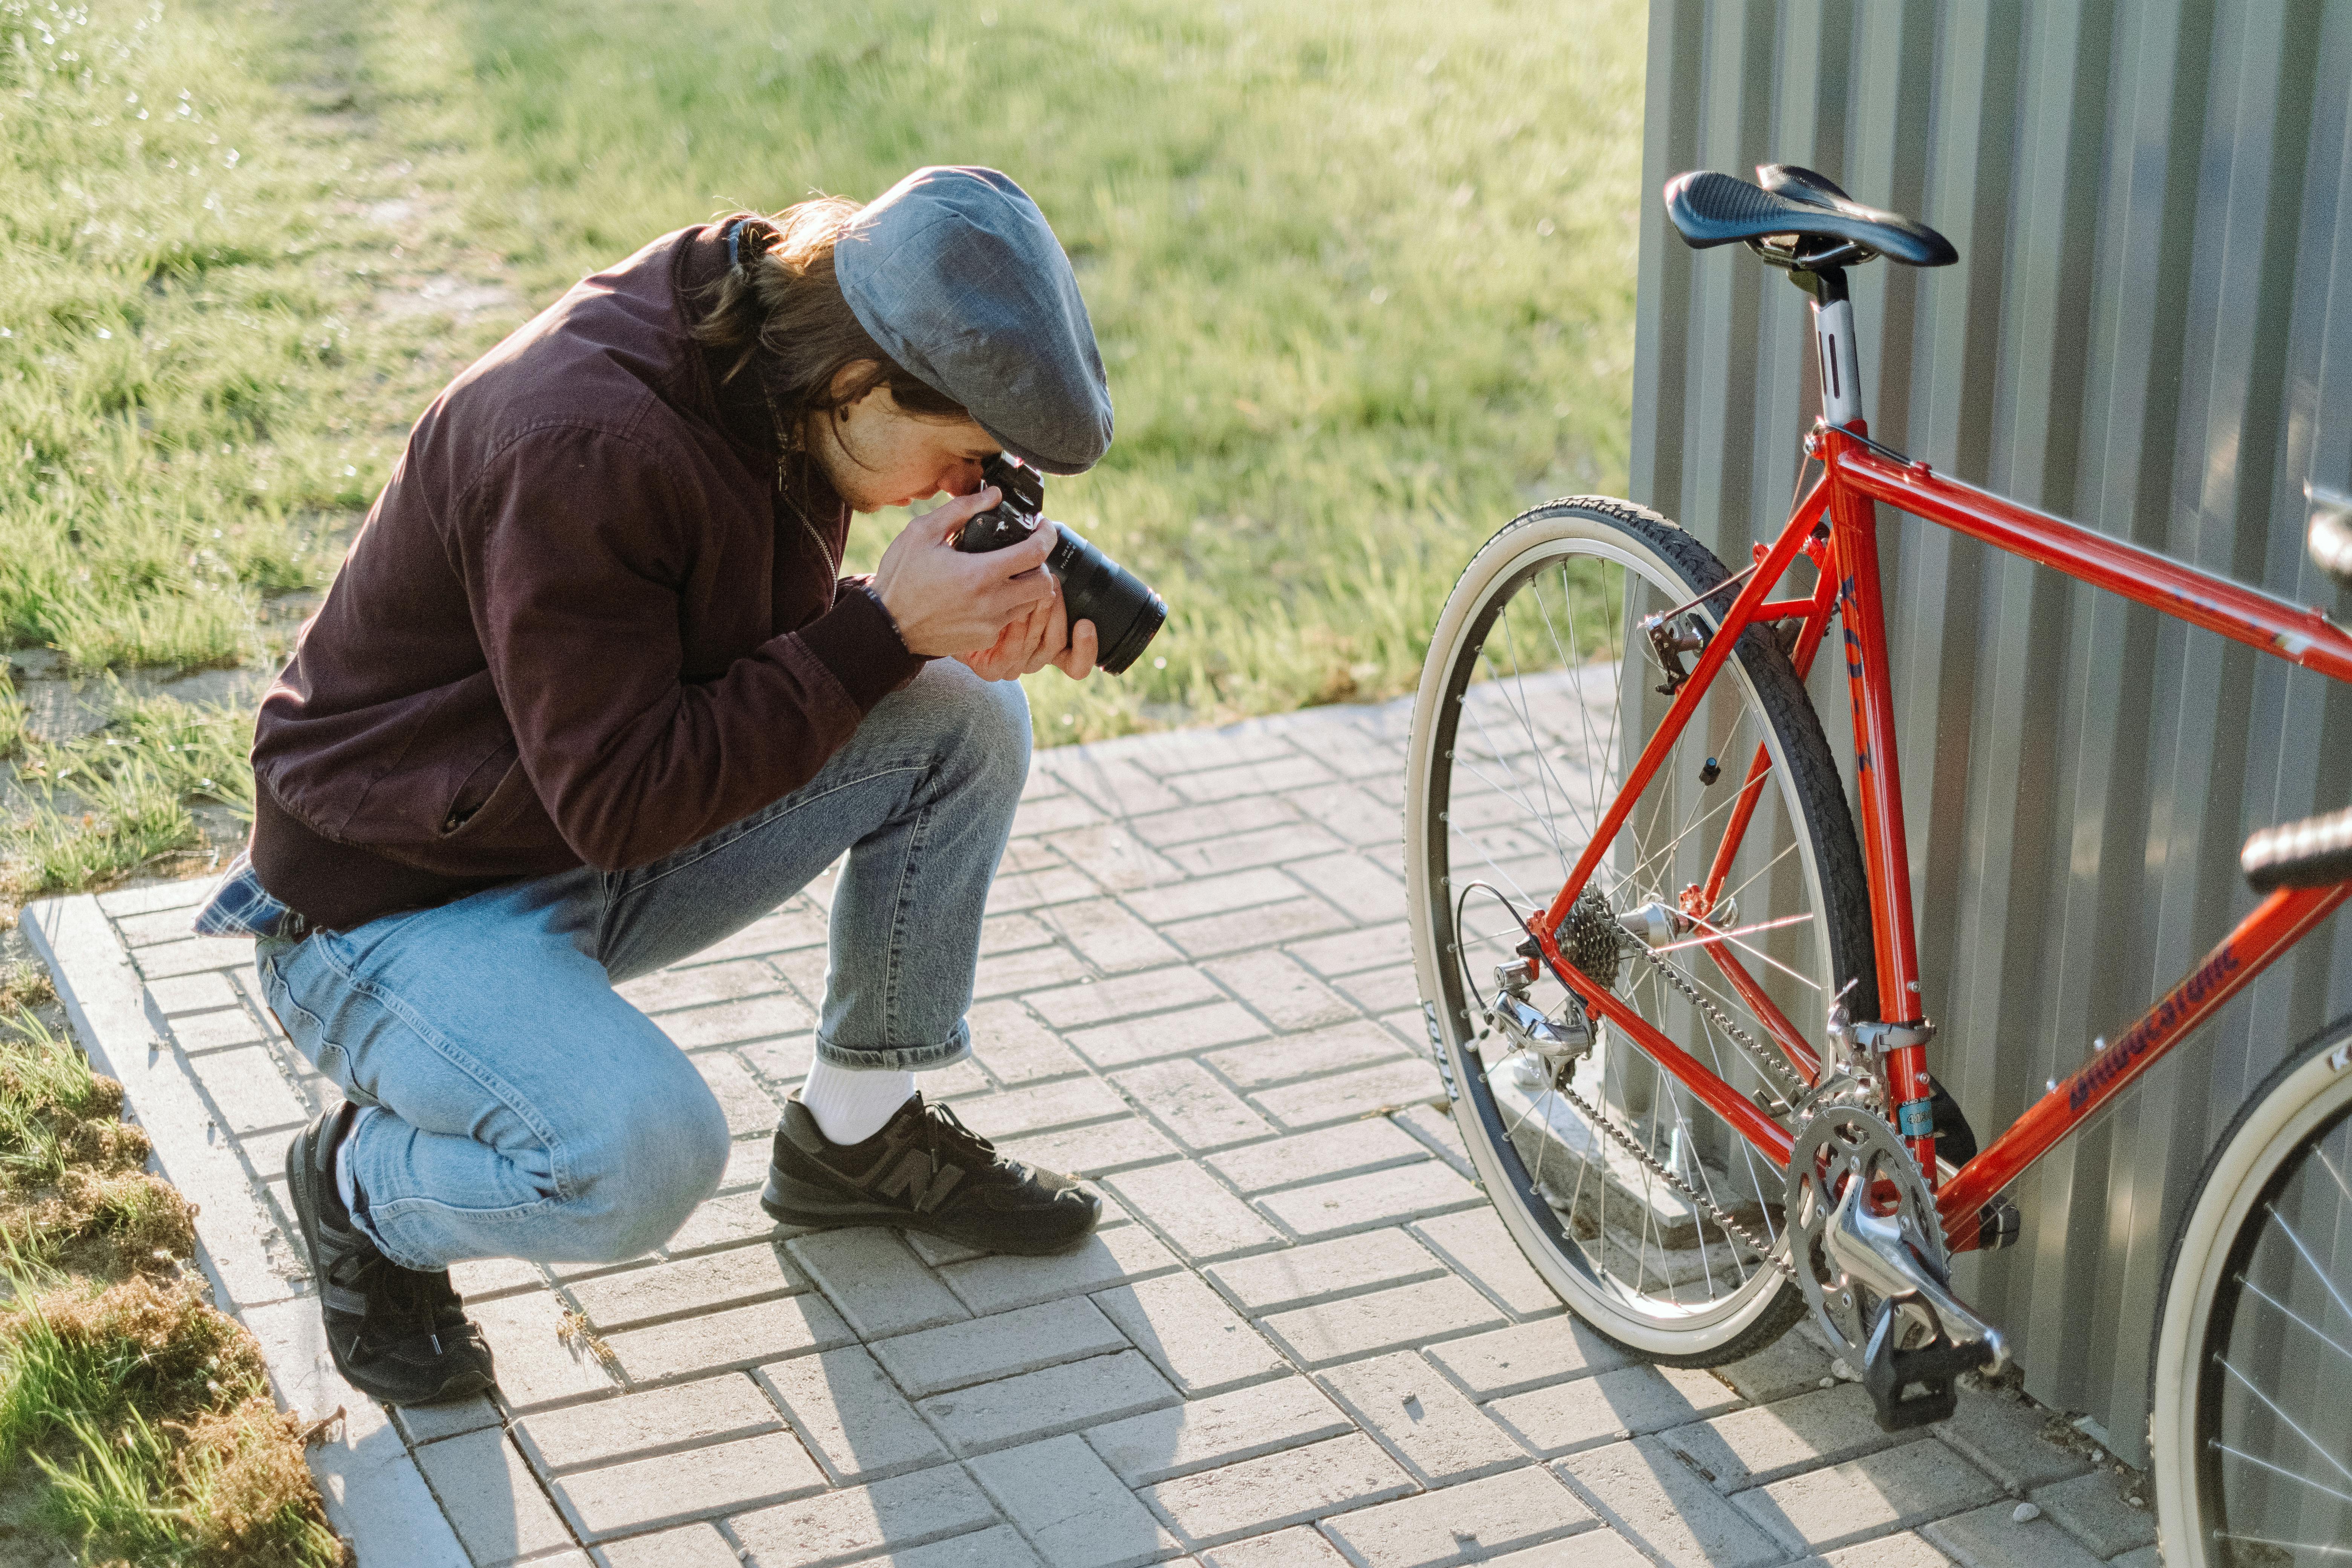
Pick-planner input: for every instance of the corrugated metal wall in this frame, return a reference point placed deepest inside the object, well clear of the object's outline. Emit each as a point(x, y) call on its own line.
point(2150, 329)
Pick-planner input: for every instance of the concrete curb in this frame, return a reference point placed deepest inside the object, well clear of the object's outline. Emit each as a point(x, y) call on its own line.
point(374, 1490)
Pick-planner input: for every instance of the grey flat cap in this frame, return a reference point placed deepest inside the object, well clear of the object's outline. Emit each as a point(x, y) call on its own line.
point(958, 277)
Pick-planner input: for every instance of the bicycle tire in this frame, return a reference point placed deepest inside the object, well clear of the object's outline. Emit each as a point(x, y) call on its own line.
point(1804, 780)
point(2237, 1278)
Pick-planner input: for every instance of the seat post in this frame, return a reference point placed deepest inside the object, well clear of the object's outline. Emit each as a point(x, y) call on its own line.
point(1834, 341)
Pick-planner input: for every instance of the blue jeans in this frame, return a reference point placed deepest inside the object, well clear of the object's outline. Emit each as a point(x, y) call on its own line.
point(534, 1113)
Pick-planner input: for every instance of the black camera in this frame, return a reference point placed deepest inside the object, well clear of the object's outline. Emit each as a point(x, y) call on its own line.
point(1126, 614)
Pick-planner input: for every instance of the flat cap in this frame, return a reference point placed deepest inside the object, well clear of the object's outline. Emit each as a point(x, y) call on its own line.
point(958, 279)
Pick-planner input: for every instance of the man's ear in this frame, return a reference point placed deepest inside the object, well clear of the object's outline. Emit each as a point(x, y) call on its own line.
point(849, 376)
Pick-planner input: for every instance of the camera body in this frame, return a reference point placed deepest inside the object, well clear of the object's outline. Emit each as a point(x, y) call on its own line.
point(1126, 613)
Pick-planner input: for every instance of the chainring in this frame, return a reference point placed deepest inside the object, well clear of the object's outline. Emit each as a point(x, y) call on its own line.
point(1842, 1143)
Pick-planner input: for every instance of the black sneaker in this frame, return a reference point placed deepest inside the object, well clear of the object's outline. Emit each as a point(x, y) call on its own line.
point(924, 1171)
point(397, 1334)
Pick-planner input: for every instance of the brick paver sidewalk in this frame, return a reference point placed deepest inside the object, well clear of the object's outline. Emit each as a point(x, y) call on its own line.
point(1300, 1338)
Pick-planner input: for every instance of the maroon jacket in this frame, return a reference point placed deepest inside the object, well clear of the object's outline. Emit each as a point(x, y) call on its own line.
point(585, 622)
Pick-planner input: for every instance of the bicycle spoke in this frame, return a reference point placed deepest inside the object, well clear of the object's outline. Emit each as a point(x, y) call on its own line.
point(2317, 1267)
point(2293, 1426)
point(2316, 1331)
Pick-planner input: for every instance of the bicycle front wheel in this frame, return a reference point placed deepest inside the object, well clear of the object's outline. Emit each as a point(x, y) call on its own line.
point(2250, 1415)
point(1650, 1216)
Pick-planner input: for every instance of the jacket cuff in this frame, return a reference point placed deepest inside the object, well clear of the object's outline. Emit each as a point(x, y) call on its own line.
point(859, 643)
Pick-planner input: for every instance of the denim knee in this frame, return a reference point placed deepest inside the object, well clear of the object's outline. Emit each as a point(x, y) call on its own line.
point(985, 724)
point(642, 1167)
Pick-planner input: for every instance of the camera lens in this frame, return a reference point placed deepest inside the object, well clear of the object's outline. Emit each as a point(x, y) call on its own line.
point(1127, 614)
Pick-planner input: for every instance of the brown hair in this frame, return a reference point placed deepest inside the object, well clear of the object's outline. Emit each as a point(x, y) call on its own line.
point(779, 311)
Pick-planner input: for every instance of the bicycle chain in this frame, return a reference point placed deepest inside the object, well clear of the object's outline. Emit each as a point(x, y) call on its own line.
point(1765, 1062)
point(1724, 1222)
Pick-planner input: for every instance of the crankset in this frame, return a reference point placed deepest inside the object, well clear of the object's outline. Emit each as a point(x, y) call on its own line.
point(1870, 1257)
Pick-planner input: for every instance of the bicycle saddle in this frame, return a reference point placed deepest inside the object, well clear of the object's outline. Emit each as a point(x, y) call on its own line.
point(1798, 219)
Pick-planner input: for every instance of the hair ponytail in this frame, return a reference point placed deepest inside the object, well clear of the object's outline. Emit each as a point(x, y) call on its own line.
point(779, 312)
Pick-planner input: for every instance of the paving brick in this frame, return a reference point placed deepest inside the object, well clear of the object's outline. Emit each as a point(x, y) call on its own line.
point(1016, 1048)
point(1125, 997)
point(191, 993)
point(1264, 847)
point(697, 1484)
point(490, 1497)
point(874, 1281)
point(1771, 1442)
point(1876, 1495)
point(1115, 857)
point(1003, 1346)
point(1300, 1546)
point(252, 1095)
point(1032, 969)
point(639, 1425)
point(1302, 1276)
point(2145, 1557)
point(1360, 1203)
point(856, 1422)
point(725, 1222)
point(1202, 893)
point(1220, 1429)
point(1351, 812)
point(1071, 1508)
point(1160, 1035)
point(710, 1283)
point(1594, 1549)
point(1043, 817)
point(1047, 1403)
point(191, 955)
point(1422, 1419)
point(1096, 1149)
point(743, 1337)
point(1464, 1523)
point(217, 1031)
point(1190, 1102)
point(1188, 824)
point(747, 1105)
point(694, 1546)
point(1044, 1108)
point(1281, 990)
point(758, 1018)
point(1592, 1412)
point(1357, 1041)
point(903, 1512)
point(1288, 1488)
point(998, 1283)
point(1188, 1206)
point(1253, 778)
point(536, 1365)
point(422, 1424)
point(1346, 1151)
point(1198, 1342)
point(1030, 889)
point(1365, 890)
point(1652, 1498)
point(782, 1062)
point(2003, 1437)
point(1990, 1537)
point(1108, 936)
point(1483, 1252)
point(130, 902)
point(2092, 1507)
point(669, 990)
point(1010, 933)
point(1348, 1096)
point(482, 1278)
point(999, 1547)
point(1408, 1315)
point(1789, 1365)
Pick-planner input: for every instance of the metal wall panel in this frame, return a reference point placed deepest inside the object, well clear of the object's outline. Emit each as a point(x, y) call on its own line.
point(2150, 329)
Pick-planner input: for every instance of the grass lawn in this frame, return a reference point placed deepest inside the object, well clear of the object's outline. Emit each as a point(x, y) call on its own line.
point(1363, 276)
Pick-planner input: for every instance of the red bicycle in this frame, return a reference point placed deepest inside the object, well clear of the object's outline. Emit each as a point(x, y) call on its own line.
point(1678, 1000)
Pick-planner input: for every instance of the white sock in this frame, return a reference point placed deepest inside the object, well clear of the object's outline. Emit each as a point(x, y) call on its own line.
point(850, 1106)
point(345, 1188)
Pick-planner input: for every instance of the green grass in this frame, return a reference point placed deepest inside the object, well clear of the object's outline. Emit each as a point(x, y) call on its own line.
point(1363, 273)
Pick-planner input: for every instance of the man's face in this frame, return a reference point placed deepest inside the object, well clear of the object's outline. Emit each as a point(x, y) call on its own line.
point(881, 456)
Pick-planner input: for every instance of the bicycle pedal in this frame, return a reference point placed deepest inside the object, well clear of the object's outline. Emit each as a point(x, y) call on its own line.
point(1890, 1375)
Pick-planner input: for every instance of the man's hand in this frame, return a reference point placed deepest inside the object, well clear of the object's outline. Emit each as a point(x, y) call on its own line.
point(1043, 637)
point(946, 602)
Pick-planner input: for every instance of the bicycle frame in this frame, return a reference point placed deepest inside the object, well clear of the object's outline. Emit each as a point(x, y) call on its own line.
point(1835, 526)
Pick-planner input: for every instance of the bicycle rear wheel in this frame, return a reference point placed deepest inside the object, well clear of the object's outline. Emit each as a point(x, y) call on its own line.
point(1654, 1221)
point(2249, 1422)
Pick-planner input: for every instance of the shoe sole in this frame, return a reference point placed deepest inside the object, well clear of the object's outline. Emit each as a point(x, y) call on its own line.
point(797, 1203)
point(301, 1186)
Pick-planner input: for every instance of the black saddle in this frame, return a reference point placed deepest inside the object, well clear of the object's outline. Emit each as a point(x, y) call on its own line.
point(1797, 219)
